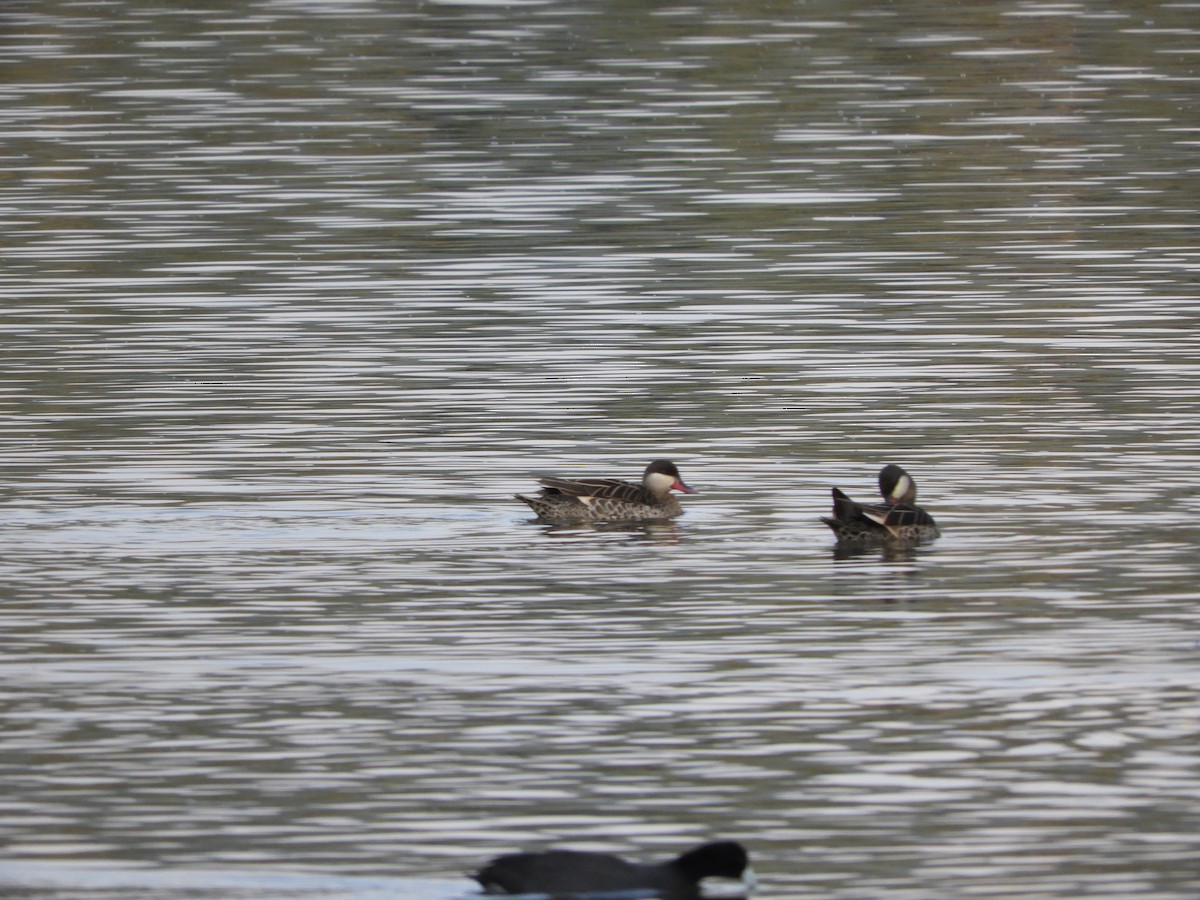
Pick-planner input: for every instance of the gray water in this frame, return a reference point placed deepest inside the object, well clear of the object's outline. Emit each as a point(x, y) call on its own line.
point(297, 293)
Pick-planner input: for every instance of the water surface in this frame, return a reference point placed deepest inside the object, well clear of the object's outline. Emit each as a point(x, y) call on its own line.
point(296, 297)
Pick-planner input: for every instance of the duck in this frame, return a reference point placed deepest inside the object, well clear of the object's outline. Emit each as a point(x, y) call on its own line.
point(897, 520)
point(567, 872)
point(610, 499)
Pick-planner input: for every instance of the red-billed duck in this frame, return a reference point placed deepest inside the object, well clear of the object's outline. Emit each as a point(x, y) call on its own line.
point(610, 499)
point(897, 520)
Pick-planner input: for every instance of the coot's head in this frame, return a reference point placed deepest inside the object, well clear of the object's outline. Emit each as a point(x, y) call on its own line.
point(718, 859)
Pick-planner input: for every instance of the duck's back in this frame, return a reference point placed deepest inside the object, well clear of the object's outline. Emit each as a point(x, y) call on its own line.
point(613, 489)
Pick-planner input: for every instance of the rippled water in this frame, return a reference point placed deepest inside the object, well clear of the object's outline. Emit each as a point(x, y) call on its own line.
point(296, 295)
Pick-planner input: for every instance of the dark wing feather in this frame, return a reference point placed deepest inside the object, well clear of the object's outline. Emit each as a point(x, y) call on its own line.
point(899, 515)
point(606, 488)
point(844, 509)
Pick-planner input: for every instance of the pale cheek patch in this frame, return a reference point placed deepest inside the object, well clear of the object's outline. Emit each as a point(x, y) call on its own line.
point(903, 486)
point(659, 483)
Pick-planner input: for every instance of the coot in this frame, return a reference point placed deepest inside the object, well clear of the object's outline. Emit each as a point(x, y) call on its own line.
point(559, 872)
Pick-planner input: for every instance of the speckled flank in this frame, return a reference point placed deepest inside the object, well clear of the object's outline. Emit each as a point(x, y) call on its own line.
point(558, 507)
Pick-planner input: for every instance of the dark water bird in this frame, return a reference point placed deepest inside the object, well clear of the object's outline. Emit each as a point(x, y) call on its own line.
point(896, 520)
point(610, 499)
point(563, 873)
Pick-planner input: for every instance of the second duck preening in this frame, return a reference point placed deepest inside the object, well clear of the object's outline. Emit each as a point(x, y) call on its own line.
point(564, 500)
point(897, 520)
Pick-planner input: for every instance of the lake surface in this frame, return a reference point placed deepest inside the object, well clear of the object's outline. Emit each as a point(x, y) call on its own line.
point(297, 294)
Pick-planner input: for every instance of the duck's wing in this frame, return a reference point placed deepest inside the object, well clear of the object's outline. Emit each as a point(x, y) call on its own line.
point(901, 519)
point(598, 488)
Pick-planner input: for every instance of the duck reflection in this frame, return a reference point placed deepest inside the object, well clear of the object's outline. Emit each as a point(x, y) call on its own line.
point(664, 530)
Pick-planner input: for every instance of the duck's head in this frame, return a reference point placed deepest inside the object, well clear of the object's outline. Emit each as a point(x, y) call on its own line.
point(661, 477)
point(897, 486)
